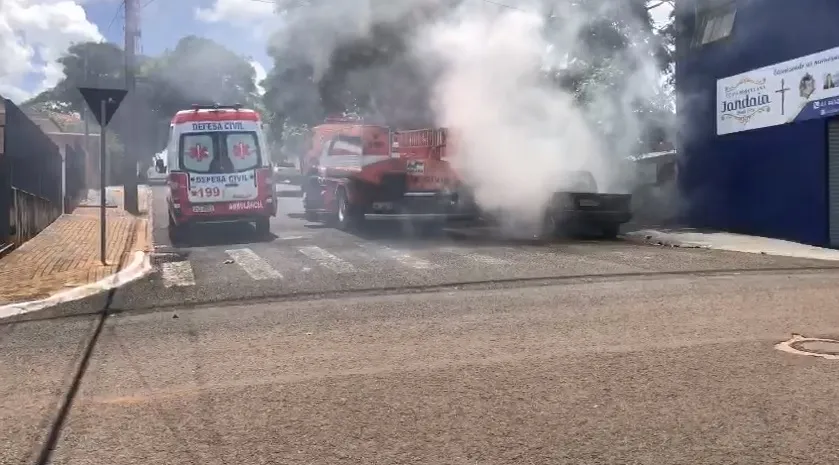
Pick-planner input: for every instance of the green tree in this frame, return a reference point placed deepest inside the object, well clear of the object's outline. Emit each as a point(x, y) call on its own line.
point(197, 70)
point(87, 64)
point(667, 33)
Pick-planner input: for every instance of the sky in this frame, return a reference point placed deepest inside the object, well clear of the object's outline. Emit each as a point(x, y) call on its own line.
point(35, 33)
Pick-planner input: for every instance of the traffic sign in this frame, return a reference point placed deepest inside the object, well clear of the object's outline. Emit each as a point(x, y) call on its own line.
point(103, 103)
point(94, 97)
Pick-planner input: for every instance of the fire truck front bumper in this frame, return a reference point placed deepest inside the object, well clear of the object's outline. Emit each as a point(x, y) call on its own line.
point(422, 206)
point(418, 216)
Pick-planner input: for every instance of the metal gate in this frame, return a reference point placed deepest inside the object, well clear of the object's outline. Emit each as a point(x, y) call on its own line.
point(833, 180)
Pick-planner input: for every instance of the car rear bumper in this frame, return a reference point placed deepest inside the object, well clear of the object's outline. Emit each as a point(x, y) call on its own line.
point(221, 219)
point(591, 209)
point(593, 217)
point(223, 212)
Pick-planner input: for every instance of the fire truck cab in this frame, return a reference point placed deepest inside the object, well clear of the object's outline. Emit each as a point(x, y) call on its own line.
point(219, 169)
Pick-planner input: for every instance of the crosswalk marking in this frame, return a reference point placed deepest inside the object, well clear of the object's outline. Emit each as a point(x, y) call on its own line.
point(477, 257)
point(327, 260)
point(177, 274)
point(366, 257)
point(254, 266)
point(402, 257)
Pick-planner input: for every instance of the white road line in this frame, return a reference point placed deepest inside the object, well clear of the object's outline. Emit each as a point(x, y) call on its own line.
point(401, 257)
point(477, 257)
point(177, 274)
point(327, 260)
point(254, 266)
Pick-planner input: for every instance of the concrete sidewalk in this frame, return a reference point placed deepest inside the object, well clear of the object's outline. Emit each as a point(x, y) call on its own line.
point(692, 238)
point(66, 254)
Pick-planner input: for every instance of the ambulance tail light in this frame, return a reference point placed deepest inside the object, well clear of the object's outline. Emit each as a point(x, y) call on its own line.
point(178, 184)
point(265, 177)
point(265, 184)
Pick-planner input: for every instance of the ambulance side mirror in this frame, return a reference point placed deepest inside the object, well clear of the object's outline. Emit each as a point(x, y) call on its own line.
point(158, 165)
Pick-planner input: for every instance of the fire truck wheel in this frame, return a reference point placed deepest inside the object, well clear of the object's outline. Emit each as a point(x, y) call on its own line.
point(347, 217)
point(343, 217)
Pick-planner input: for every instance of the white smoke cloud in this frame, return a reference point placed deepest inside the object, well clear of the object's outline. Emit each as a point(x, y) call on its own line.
point(519, 138)
point(260, 75)
point(33, 35)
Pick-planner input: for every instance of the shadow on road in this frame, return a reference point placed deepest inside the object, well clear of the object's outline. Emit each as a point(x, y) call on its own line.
point(488, 236)
point(205, 235)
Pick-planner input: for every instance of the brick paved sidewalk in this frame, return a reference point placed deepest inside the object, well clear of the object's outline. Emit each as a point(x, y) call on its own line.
point(66, 254)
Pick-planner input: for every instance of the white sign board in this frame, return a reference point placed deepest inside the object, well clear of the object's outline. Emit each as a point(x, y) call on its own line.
point(795, 90)
point(212, 126)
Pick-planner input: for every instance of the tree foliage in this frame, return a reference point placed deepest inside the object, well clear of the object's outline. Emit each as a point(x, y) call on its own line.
point(197, 70)
point(88, 64)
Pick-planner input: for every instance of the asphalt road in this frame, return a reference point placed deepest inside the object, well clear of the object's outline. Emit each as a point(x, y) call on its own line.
point(229, 263)
point(429, 350)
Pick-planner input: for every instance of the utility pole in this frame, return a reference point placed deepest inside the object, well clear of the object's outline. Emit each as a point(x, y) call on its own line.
point(85, 120)
point(132, 45)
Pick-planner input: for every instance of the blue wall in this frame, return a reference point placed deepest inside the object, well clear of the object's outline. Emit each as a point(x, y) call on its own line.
point(771, 181)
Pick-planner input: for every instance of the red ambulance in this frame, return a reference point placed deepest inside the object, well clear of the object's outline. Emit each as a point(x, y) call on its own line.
point(219, 169)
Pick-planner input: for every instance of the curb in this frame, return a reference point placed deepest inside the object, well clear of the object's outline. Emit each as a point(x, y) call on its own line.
point(793, 250)
point(653, 237)
point(139, 267)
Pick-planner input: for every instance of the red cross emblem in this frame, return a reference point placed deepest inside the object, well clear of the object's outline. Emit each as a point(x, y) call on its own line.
point(198, 152)
point(241, 150)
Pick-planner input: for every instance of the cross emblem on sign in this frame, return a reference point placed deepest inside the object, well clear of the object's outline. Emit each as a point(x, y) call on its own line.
point(241, 150)
point(783, 90)
point(198, 152)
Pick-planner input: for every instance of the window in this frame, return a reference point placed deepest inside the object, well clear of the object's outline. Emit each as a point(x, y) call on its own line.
point(219, 152)
point(714, 24)
point(243, 150)
point(198, 152)
point(346, 145)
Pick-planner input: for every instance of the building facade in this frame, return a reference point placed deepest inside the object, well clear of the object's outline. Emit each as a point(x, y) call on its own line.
point(758, 88)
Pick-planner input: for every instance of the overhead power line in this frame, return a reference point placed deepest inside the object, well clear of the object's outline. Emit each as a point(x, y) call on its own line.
point(116, 14)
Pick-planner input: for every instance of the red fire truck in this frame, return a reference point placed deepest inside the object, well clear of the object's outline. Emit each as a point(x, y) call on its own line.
point(356, 172)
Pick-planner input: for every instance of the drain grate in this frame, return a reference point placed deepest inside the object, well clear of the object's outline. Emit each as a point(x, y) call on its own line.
point(811, 346)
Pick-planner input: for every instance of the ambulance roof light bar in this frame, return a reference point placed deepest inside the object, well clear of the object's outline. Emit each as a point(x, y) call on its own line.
point(216, 107)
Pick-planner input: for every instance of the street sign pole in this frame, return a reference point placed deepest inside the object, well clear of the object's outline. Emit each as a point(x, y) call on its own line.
point(103, 180)
point(103, 103)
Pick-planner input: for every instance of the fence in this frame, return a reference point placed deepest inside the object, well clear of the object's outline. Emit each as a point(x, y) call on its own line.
point(29, 215)
point(75, 170)
point(32, 172)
